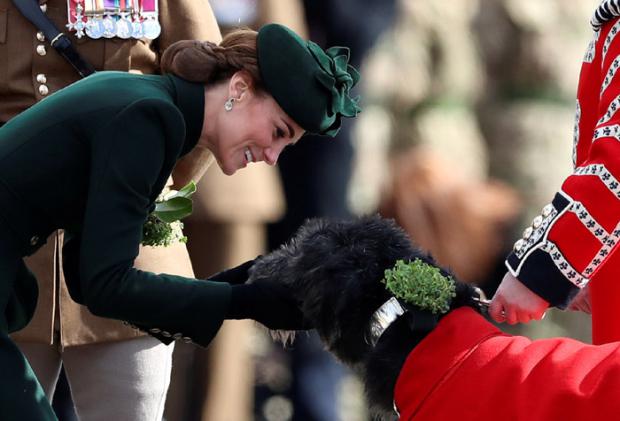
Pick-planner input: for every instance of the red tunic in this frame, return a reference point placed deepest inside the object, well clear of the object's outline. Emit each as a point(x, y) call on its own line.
point(575, 240)
point(467, 369)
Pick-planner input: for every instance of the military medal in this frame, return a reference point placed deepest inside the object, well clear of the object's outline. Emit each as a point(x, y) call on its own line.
point(138, 30)
point(114, 18)
point(152, 29)
point(109, 21)
point(124, 27)
point(149, 12)
point(95, 27)
point(77, 21)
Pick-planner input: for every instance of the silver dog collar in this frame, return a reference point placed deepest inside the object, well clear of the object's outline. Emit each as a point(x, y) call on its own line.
point(382, 319)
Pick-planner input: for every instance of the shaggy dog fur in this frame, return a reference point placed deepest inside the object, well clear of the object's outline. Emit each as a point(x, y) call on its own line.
point(334, 269)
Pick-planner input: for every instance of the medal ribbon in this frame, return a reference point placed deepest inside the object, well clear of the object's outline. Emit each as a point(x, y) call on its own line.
point(90, 7)
point(110, 5)
point(72, 10)
point(149, 7)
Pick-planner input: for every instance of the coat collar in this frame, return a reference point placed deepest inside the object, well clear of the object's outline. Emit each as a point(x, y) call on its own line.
point(455, 337)
point(190, 98)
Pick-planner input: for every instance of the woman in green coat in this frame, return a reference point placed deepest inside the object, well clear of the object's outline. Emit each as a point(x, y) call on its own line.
point(92, 158)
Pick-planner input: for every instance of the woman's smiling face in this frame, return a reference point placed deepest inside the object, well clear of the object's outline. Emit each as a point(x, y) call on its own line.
point(255, 129)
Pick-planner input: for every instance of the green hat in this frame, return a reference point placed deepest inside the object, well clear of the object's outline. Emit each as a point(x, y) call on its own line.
point(311, 85)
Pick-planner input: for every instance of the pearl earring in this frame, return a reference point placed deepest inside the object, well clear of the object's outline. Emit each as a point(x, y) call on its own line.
point(228, 105)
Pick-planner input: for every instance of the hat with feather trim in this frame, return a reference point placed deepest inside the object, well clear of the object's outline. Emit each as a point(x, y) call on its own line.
point(310, 84)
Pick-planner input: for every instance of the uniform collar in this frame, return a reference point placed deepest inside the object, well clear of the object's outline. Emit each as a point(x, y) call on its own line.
point(426, 367)
point(190, 98)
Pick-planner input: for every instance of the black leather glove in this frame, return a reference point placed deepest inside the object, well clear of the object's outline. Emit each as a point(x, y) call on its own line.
point(234, 276)
point(269, 303)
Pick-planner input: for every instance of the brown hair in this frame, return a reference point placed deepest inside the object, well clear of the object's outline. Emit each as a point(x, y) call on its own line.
point(208, 63)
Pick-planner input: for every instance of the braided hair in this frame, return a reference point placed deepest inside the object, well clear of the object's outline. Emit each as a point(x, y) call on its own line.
point(209, 63)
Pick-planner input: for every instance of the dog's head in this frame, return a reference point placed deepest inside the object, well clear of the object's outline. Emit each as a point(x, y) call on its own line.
point(335, 270)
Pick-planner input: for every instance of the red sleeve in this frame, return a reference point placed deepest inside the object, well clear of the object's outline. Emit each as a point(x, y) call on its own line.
point(576, 234)
point(466, 369)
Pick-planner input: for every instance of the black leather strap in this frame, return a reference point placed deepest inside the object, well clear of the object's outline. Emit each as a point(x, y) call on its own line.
point(61, 43)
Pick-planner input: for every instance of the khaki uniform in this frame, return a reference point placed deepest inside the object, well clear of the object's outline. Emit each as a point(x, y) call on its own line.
point(32, 70)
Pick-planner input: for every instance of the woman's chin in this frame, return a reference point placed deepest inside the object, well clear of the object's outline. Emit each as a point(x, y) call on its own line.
point(229, 168)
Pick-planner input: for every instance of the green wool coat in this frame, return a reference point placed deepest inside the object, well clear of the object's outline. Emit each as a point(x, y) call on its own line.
point(91, 159)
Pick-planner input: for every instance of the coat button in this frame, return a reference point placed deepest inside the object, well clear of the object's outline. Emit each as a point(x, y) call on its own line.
point(528, 232)
point(40, 36)
point(155, 330)
point(187, 339)
point(44, 90)
point(43, 7)
point(41, 50)
point(41, 78)
point(34, 240)
point(165, 334)
point(537, 222)
point(547, 210)
point(519, 245)
point(177, 335)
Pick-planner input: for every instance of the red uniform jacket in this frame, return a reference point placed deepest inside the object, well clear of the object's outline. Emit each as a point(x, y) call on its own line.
point(575, 240)
point(467, 369)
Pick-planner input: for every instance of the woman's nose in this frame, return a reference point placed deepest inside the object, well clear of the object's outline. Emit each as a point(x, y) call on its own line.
point(271, 155)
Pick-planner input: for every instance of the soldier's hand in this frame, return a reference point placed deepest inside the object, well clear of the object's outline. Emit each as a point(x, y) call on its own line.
point(581, 302)
point(515, 303)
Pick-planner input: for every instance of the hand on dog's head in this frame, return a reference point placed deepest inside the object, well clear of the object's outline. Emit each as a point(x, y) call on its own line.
point(334, 270)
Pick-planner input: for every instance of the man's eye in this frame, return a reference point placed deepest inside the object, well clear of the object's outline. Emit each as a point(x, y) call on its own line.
point(279, 133)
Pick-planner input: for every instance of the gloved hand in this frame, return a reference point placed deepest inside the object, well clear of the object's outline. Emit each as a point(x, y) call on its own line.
point(234, 276)
point(269, 303)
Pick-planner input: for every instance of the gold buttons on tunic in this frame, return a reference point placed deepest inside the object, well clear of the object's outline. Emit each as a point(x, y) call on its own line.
point(44, 90)
point(34, 240)
point(41, 36)
point(41, 78)
point(528, 232)
point(41, 50)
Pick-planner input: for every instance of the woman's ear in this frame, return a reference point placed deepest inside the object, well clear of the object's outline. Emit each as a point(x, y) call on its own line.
point(240, 85)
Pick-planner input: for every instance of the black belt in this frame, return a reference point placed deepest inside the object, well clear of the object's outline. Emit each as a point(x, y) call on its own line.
point(61, 43)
